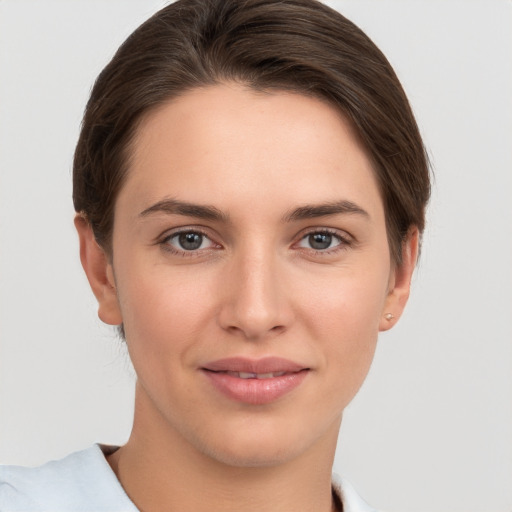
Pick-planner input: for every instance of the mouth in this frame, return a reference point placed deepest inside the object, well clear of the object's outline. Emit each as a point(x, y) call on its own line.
point(250, 375)
point(252, 368)
point(255, 382)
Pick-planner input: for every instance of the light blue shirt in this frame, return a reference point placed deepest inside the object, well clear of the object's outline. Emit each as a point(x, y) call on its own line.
point(85, 482)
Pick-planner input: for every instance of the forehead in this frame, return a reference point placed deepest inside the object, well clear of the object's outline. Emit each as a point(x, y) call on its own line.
point(231, 142)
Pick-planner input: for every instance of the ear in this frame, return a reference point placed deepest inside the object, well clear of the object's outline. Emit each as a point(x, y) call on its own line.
point(400, 281)
point(99, 272)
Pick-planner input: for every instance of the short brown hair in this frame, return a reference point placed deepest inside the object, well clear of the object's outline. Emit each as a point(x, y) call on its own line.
point(293, 45)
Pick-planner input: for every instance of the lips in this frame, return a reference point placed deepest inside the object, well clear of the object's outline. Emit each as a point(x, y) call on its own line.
point(255, 382)
point(250, 375)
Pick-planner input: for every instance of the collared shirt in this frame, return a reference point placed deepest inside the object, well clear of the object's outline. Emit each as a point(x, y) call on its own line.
point(85, 482)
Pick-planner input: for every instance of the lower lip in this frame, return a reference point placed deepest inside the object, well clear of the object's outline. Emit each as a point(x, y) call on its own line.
point(255, 391)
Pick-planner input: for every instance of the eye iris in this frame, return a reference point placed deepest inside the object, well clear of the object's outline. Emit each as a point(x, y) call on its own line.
point(320, 240)
point(190, 241)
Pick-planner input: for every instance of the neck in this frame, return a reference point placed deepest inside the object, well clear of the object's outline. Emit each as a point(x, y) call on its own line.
point(160, 470)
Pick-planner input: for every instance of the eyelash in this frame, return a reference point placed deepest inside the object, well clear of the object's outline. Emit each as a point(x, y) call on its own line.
point(166, 246)
point(344, 242)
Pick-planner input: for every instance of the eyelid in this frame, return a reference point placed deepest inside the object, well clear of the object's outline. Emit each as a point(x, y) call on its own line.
point(346, 240)
point(344, 235)
point(164, 238)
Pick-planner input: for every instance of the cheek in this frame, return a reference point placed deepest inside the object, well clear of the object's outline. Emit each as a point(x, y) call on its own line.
point(348, 305)
point(343, 315)
point(162, 313)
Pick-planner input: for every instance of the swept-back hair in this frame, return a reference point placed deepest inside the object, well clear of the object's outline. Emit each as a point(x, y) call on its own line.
point(292, 45)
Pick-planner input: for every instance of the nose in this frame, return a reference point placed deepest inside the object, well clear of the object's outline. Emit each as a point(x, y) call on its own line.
point(255, 300)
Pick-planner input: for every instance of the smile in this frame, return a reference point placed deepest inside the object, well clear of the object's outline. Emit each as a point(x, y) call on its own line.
point(249, 375)
point(255, 382)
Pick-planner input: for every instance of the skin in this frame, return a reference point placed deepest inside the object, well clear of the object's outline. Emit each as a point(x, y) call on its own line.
point(256, 287)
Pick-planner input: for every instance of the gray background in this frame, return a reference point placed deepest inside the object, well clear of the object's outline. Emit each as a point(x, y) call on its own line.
point(431, 430)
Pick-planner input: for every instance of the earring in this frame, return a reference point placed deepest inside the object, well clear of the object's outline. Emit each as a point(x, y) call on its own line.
point(389, 316)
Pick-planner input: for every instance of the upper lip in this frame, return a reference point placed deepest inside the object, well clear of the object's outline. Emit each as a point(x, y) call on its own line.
point(263, 365)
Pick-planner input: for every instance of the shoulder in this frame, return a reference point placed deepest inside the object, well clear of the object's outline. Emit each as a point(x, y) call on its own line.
point(82, 481)
point(352, 502)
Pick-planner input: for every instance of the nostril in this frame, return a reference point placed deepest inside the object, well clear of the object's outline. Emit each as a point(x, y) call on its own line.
point(254, 333)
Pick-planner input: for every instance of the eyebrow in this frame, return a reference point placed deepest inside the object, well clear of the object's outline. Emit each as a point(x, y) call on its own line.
point(173, 206)
point(311, 211)
point(208, 212)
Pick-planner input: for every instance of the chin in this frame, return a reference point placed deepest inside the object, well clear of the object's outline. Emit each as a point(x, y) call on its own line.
point(255, 455)
point(260, 445)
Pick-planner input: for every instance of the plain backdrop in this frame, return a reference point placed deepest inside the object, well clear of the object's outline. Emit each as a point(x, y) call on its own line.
point(431, 430)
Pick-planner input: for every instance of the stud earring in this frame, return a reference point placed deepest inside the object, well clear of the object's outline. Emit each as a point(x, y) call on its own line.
point(389, 316)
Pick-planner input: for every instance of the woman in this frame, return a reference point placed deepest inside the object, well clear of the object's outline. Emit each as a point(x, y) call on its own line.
point(250, 188)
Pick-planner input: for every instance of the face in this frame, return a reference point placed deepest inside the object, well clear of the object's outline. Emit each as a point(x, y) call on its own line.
point(251, 271)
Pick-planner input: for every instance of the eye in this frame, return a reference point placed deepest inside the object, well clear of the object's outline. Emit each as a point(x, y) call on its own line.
point(321, 241)
point(189, 241)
